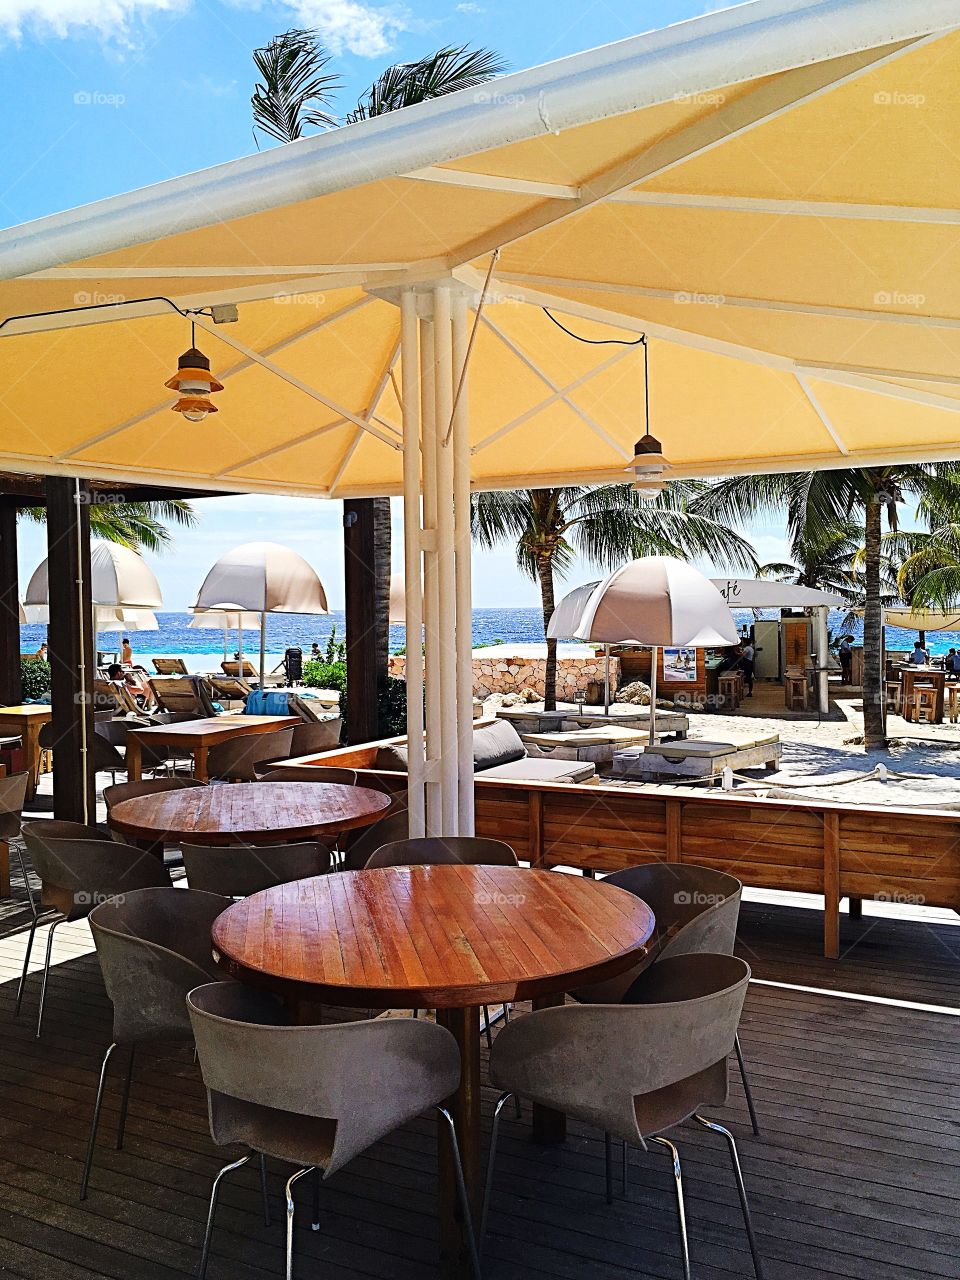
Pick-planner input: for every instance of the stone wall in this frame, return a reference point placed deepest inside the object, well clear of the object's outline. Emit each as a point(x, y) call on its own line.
point(511, 674)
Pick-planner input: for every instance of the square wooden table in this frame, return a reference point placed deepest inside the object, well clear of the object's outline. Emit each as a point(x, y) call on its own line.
point(198, 736)
point(26, 721)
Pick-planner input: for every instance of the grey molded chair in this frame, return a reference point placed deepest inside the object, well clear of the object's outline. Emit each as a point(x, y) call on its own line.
point(13, 795)
point(153, 947)
point(236, 871)
point(316, 735)
point(235, 759)
point(444, 851)
point(696, 909)
point(634, 1070)
point(306, 773)
point(315, 1096)
point(360, 845)
point(78, 867)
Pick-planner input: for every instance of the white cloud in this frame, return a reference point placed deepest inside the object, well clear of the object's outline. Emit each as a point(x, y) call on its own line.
point(351, 25)
point(69, 17)
point(469, 7)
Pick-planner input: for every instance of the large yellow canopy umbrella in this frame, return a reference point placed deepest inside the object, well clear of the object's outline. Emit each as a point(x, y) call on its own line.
point(769, 194)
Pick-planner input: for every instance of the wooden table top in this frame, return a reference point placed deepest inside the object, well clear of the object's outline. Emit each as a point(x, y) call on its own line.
point(27, 711)
point(432, 936)
point(213, 727)
point(260, 812)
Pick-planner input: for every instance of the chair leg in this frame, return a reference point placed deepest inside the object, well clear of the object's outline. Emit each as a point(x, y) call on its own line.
point(26, 882)
point(46, 972)
point(488, 1033)
point(746, 1087)
point(214, 1192)
point(124, 1101)
point(491, 1157)
point(461, 1194)
point(741, 1189)
point(624, 1168)
point(95, 1122)
point(301, 1173)
point(681, 1211)
point(26, 965)
point(315, 1221)
point(263, 1190)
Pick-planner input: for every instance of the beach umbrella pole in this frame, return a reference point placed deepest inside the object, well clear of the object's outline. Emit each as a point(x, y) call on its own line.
point(606, 679)
point(263, 650)
point(653, 695)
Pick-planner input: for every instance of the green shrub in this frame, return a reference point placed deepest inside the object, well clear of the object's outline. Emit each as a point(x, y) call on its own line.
point(34, 678)
point(391, 697)
point(325, 675)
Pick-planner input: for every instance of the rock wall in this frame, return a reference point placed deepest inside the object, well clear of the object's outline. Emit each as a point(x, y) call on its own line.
point(510, 674)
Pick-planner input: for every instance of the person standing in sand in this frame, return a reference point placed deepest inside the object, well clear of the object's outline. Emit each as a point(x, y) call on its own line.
point(126, 652)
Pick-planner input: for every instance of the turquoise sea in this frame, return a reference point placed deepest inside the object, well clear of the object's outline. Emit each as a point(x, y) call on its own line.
point(490, 626)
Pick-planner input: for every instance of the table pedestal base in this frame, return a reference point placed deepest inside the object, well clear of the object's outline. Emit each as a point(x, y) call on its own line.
point(464, 1106)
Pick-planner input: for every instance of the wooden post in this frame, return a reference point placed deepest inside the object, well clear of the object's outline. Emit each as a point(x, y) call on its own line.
point(831, 886)
point(360, 582)
point(674, 827)
point(10, 691)
point(535, 828)
point(71, 641)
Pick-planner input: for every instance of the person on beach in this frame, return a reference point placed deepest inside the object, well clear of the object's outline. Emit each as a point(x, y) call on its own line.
point(117, 674)
point(747, 654)
point(919, 656)
point(42, 652)
point(846, 660)
point(126, 652)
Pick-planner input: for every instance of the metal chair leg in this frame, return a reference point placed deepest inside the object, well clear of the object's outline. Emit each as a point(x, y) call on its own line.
point(491, 1157)
point(214, 1192)
point(124, 1101)
point(301, 1173)
point(746, 1087)
point(95, 1122)
point(741, 1189)
point(488, 1033)
point(681, 1211)
point(46, 972)
point(462, 1195)
point(315, 1222)
point(26, 966)
point(34, 910)
point(263, 1190)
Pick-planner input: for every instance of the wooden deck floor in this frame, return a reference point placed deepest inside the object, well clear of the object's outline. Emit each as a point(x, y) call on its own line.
point(857, 1173)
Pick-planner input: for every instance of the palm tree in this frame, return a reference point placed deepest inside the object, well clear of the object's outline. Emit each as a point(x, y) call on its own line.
point(297, 92)
point(818, 506)
point(142, 526)
point(605, 526)
point(929, 574)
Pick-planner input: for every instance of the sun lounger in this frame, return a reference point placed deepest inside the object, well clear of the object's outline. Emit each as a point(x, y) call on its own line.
point(170, 667)
point(183, 695)
point(534, 720)
point(697, 758)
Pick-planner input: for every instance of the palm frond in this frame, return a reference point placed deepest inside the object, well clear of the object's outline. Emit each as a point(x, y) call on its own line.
point(295, 91)
point(446, 71)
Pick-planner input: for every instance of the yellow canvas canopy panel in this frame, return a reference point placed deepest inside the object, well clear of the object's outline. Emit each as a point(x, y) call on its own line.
point(770, 193)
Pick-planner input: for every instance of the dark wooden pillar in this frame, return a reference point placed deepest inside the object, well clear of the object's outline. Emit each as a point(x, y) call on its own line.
point(360, 596)
point(70, 639)
point(10, 692)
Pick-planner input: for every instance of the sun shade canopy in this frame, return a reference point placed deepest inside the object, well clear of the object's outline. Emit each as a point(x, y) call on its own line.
point(767, 593)
point(657, 600)
point(922, 619)
point(262, 577)
point(771, 193)
point(119, 580)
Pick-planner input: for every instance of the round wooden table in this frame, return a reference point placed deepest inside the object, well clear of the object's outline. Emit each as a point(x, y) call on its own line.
point(254, 812)
point(450, 938)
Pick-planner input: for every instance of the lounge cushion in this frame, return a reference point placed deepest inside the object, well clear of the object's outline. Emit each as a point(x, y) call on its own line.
point(392, 758)
point(701, 750)
point(531, 769)
point(496, 744)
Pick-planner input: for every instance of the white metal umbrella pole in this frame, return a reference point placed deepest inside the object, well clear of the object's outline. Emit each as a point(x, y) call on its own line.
point(413, 544)
point(431, 580)
point(462, 537)
point(823, 658)
point(653, 694)
point(606, 679)
point(446, 566)
point(263, 651)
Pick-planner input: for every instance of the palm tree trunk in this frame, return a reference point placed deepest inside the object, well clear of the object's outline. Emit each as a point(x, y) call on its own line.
point(874, 726)
point(545, 574)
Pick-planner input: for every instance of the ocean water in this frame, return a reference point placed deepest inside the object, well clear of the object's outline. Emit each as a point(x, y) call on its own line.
point(490, 626)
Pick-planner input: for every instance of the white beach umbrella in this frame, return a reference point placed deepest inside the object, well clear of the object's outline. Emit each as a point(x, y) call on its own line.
point(265, 578)
point(922, 619)
point(565, 620)
point(112, 619)
point(123, 588)
point(657, 601)
point(398, 598)
point(225, 620)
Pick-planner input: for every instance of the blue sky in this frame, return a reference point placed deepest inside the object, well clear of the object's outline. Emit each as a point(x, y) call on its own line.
point(102, 96)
